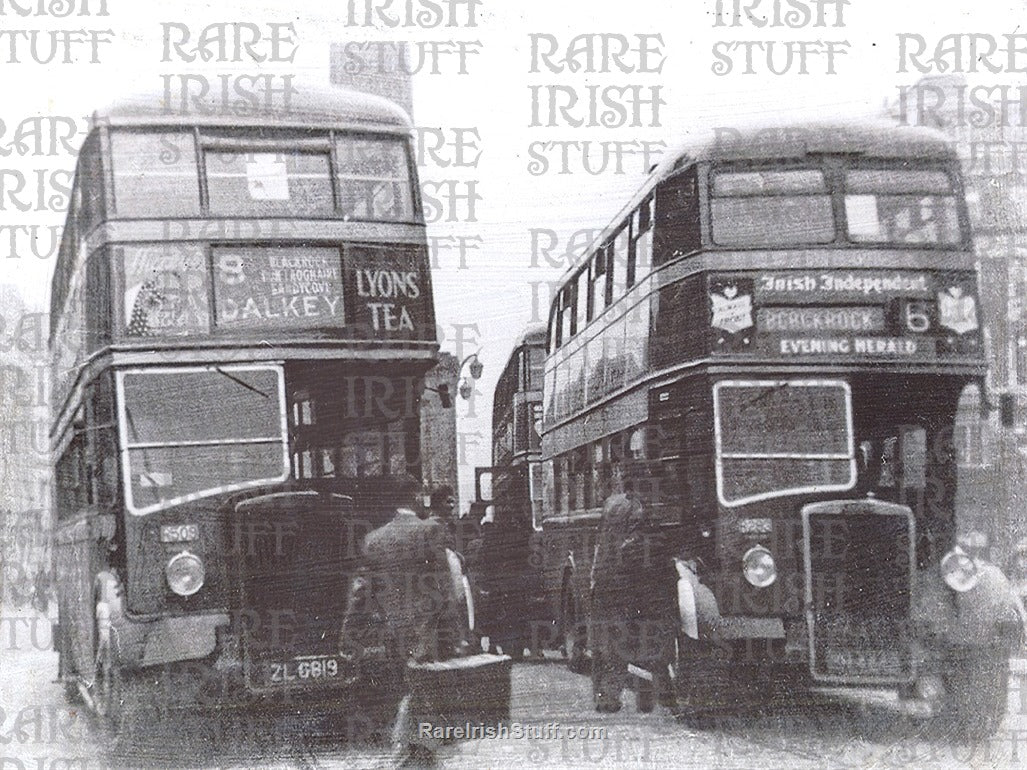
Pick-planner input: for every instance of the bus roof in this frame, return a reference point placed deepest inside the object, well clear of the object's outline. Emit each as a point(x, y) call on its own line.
point(532, 335)
point(306, 107)
point(864, 138)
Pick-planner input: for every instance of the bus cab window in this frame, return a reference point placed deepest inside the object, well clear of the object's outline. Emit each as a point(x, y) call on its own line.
point(231, 437)
point(780, 437)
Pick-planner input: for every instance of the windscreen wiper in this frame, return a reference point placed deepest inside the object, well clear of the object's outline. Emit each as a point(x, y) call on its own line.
point(769, 392)
point(236, 380)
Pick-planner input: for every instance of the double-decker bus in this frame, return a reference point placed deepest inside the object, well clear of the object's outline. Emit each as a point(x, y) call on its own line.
point(510, 615)
point(242, 320)
point(769, 343)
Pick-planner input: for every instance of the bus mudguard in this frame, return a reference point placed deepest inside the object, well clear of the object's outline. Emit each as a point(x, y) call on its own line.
point(989, 611)
point(151, 642)
point(697, 606)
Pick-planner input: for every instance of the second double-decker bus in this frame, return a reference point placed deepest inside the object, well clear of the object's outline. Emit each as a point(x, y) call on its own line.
point(242, 320)
point(513, 614)
point(769, 343)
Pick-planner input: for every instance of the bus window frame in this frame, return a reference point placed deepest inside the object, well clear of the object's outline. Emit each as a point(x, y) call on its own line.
point(833, 168)
point(126, 447)
point(957, 191)
point(286, 138)
point(536, 484)
point(207, 150)
point(579, 314)
point(832, 190)
point(718, 454)
point(110, 188)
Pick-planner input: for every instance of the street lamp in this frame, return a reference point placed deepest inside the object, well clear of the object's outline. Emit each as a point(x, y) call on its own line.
point(464, 386)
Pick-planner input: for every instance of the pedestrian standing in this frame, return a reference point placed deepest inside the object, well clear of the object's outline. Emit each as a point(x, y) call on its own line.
point(406, 580)
point(611, 602)
point(632, 619)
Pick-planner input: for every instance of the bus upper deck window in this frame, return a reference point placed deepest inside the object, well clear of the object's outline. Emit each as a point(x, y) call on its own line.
point(268, 183)
point(155, 174)
point(581, 301)
point(374, 178)
point(771, 208)
point(900, 206)
point(598, 300)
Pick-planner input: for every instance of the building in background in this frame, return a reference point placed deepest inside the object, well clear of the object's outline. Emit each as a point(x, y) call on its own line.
point(438, 424)
point(379, 67)
point(988, 123)
point(25, 510)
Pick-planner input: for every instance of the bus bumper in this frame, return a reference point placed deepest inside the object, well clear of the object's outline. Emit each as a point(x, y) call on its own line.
point(167, 640)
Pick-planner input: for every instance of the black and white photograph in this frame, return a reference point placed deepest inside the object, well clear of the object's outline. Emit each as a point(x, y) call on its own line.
point(495, 384)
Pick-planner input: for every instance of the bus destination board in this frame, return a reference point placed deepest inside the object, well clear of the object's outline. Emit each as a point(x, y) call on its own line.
point(895, 314)
point(285, 287)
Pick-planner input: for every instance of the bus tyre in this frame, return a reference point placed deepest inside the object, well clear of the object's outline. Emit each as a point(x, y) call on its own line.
point(976, 692)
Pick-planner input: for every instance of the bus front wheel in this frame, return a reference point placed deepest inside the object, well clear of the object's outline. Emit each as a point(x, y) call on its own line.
point(976, 692)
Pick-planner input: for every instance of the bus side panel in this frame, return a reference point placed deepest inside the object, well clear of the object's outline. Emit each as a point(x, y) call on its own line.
point(681, 446)
point(78, 556)
point(681, 320)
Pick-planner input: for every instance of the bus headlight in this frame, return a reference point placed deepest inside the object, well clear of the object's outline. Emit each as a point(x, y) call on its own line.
point(758, 567)
point(185, 573)
point(959, 570)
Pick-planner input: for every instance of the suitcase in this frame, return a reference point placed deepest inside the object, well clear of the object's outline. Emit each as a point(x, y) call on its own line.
point(461, 691)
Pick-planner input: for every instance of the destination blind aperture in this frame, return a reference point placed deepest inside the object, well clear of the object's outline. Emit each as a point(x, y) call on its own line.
point(827, 319)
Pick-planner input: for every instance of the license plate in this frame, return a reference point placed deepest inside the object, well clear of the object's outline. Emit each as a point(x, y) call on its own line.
point(863, 661)
point(303, 669)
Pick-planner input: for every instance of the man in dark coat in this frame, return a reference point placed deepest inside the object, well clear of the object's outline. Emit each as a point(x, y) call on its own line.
point(611, 602)
point(406, 587)
point(408, 573)
point(630, 621)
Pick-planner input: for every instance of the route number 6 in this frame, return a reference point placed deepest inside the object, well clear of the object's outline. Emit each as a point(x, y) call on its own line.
point(918, 318)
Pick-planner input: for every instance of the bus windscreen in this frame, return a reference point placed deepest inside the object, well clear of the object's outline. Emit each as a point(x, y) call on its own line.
point(777, 438)
point(229, 434)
